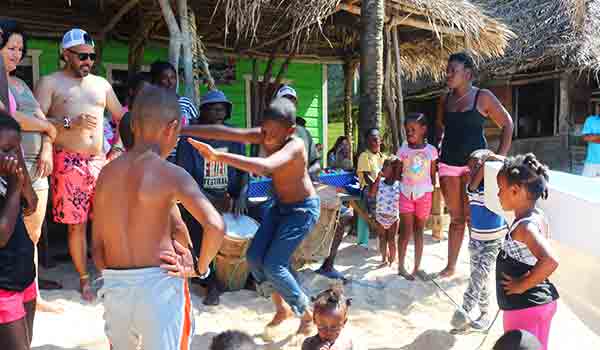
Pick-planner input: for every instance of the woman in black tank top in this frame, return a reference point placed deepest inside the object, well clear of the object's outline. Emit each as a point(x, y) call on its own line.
point(460, 127)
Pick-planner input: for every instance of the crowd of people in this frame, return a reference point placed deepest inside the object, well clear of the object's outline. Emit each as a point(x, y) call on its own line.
point(182, 167)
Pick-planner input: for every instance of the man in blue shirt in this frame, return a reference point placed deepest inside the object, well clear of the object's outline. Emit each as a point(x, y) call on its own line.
point(224, 186)
point(591, 135)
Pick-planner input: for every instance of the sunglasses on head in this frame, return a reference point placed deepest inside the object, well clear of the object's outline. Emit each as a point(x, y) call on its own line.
point(83, 55)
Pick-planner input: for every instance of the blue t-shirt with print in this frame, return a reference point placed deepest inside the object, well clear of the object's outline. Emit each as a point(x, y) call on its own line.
point(592, 127)
point(212, 177)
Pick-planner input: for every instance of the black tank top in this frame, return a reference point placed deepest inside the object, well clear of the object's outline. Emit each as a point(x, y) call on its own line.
point(518, 265)
point(463, 134)
point(17, 270)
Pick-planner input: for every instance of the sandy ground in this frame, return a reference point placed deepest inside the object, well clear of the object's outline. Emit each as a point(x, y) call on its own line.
point(388, 312)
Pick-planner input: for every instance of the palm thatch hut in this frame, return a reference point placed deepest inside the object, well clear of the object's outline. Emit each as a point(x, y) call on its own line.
point(547, 79)
point(264, 35)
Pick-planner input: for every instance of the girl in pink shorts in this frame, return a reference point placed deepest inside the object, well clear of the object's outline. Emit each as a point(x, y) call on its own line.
point(418, 178)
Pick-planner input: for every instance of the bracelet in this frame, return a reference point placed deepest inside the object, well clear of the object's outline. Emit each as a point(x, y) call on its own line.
point(67, 123)
point(195, 260)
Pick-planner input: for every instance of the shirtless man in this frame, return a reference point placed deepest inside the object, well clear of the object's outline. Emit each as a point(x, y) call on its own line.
point(291, 215)
point(132, 230)
point(75, 100)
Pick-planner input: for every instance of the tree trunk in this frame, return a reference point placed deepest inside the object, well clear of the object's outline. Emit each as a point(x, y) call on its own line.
point(371, 67)
point(349, 69)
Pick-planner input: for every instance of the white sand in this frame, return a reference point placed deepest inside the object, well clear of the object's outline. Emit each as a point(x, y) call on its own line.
point(403, 315)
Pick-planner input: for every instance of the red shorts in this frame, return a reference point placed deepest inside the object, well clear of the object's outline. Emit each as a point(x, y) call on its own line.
point(421, 206)
point(73, 186)
point(452, 171)
point(12, 303)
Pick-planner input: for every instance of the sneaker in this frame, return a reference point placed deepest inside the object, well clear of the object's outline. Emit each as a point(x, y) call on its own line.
point(483, 322)
point(460, 319)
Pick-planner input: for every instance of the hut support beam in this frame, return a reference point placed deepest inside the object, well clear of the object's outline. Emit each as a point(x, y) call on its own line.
point(188, 58)
point(175, 38)
point(180, 38)
point(115, 20)
point(388, 95)
point(399, 92)
point(565, 104)
point(349, 70)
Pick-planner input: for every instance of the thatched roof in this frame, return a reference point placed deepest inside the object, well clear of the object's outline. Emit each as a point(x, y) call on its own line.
point(551, 33)
point(322, 29)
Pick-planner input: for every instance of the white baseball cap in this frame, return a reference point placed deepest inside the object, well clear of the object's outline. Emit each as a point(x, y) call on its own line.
point(286, 90)
point(76, 37)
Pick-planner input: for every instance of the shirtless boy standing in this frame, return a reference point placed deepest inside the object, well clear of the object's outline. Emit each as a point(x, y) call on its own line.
point(290, 217)
point(74, 101)
point(145, 305)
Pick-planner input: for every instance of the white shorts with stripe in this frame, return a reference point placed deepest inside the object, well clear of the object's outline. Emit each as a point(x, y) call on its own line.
point(147, 309)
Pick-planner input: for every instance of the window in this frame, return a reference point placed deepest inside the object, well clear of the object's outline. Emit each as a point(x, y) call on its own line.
point(117, 75)
point(29, 68)
point(536, 109)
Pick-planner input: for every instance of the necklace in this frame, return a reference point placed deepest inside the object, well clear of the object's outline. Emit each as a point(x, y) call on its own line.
point(463, 96)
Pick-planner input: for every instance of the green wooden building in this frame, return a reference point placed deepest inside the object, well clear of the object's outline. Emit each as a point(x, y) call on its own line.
point(309, 78)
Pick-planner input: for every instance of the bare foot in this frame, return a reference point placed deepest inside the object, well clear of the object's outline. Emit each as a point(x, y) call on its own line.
point(85, 288)
point(42, 305)
point(421, 274)
point(402, 272)
point(280, 316)
point(307, 328)
point(445, 273)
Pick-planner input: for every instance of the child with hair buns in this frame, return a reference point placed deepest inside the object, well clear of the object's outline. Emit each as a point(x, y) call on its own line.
point(526, 261)
point(330, 312)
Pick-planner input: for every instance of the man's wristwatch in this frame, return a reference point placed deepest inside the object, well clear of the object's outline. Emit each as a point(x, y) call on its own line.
point(67, 123)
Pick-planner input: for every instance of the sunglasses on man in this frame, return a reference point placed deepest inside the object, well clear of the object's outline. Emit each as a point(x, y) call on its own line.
point(84, 55)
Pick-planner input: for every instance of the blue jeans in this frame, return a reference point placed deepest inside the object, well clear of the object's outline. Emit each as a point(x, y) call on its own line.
point(283, 228)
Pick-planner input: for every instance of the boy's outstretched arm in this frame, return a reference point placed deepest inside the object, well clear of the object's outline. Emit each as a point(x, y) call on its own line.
point(254, 165)
point(225, 133)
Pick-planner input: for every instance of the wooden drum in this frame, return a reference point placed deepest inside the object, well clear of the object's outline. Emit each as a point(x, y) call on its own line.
point(231, 265)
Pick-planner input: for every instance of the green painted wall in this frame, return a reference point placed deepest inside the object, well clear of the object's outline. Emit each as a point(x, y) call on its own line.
point(306, 78)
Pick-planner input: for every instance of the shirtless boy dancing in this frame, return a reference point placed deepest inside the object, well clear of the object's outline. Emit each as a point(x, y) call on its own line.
point(132, 231)
point(291, 215)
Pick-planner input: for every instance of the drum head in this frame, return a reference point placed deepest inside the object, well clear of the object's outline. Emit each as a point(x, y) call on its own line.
point(240, 227)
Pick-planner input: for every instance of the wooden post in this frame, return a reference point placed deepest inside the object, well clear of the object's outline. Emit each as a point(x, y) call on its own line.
point(565, 104)
point(399, 92)
point(175, 37)
point(349, 70)
point(388, 95)
point(188, 63)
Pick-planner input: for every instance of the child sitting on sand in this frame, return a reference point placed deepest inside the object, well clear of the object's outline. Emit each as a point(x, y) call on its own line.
point(386, 189)
point(487, 232)
point(331, 315)
point(418, 178)
point(18, 290)
point(290, 216)
point(526, 261)
point(233, 340)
